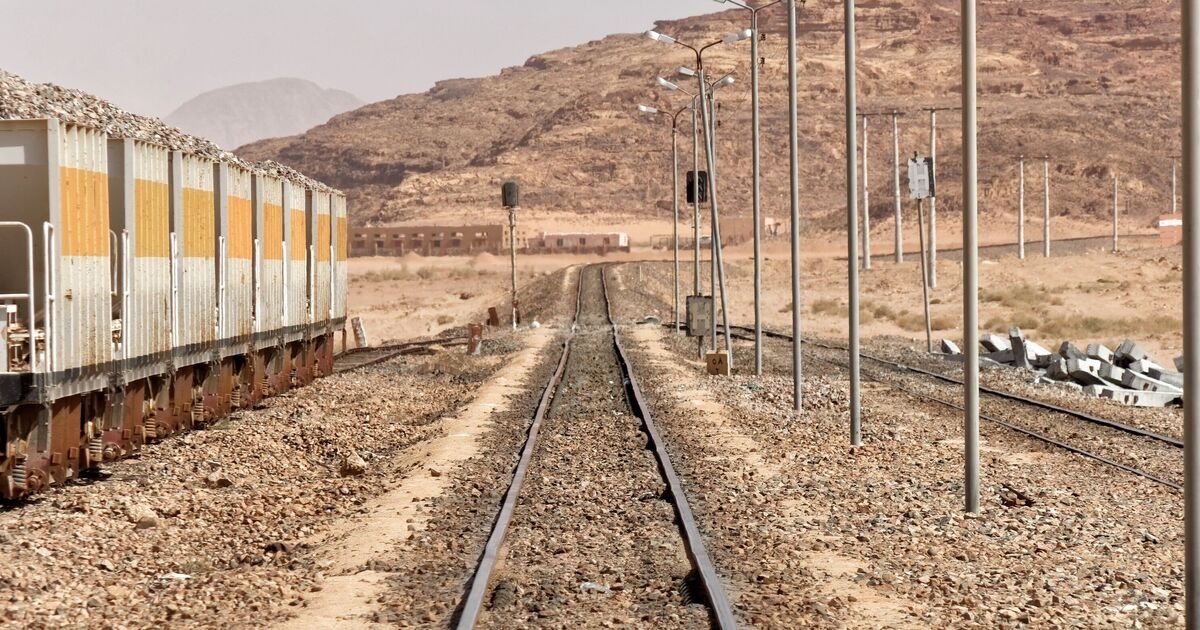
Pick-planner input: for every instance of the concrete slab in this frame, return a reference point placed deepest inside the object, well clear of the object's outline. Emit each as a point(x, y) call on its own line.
point(1020, 353)
point(1128, 352)
point(1113, 374)
point(1085, 371)
point(949, 347)
point(1004, 357)
point(1068, 351)
point(1057, 369)
point(1144, 366)
point(1170, 378)
point(1099, 351)
point(1144, 383)
point(1038, 355)
point(1135, 398)
point(1179, 364)
point(994, 343)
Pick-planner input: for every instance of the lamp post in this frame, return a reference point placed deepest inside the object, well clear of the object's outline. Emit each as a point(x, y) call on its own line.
point(695, 199)
point(674, 190)
point(707, 119)
point(715, 241)
point(755, 177)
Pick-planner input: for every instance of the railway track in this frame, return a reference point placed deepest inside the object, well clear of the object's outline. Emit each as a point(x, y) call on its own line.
point(356, 358)
point(996, 407)
point(594, 498)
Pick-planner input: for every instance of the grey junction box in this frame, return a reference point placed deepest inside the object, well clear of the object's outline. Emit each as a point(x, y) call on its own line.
point(699, 315)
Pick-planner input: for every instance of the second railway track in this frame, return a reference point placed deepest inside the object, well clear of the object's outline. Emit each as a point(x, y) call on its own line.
point(595, 528)
point(1153, 456)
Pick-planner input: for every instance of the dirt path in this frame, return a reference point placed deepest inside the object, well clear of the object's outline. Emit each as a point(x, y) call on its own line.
point(349, 594)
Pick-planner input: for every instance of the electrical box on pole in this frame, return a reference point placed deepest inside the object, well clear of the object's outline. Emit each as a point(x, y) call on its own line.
point(920, 178)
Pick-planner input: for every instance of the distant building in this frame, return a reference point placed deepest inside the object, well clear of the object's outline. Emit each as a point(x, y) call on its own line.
point(427, 240)
point(578, 243)
point(1170, 230)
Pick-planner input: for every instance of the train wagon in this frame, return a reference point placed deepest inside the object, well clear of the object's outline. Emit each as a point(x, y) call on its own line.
point(147, 291)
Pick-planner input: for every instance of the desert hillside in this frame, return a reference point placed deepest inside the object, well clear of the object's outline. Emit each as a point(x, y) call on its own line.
point(243, 113)
point(1093, 84)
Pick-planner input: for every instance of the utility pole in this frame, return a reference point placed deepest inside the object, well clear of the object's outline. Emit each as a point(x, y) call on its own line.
point(1021, 211)
point(1191, 312)
point(866, 195)
point(852, 225)
point(1046, 208)
point(899, 245)
point(794, 156)
point(933, 111)
point(1116, 180)
point(1174, 187)
point(970, 201)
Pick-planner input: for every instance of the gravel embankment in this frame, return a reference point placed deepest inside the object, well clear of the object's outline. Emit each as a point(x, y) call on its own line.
point(208, 529)
point(812, 533)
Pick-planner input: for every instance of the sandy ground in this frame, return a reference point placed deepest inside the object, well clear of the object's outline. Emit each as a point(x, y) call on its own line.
point(1079, 294)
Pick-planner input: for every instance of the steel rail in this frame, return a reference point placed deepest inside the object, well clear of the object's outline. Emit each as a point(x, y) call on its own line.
point(1013, 427)
point(476, 591)
point(718, 601)
point(390, 352)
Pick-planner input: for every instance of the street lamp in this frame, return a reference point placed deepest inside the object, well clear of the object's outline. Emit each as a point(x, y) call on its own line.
point(756, 177)
point(646, 109)
point(707, 116)
point(714, 244)
point(695, 200)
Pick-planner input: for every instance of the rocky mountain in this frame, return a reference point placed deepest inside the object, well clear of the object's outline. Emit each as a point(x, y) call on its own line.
point(240, 114)
point(1092, 83)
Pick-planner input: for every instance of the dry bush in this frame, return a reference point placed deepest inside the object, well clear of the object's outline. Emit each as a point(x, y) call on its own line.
point(828, 307)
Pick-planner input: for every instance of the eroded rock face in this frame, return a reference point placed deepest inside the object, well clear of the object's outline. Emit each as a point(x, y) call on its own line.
point(1091, 86)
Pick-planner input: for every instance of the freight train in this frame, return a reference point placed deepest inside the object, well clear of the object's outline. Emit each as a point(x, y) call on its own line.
point(146, 291)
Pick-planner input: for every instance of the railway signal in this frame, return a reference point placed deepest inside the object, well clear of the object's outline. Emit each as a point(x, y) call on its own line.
point(510, 196)
point(920, 188)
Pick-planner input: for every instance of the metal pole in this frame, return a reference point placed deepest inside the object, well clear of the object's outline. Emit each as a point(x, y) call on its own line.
point(1046, 208)
point(970, 256)
point(1191, 312)
point(712, 225)
point(933, 201)
point(1021, 212)
point(866, 236)
point(924, 285)
point(512, 248)
point(1115, 182)
point(696, 217)
point(675, 208)
point(852, 224)
point(794, 153)
point(716, 224)
point(757, 192)
point(1174, 193)
point(899, 246)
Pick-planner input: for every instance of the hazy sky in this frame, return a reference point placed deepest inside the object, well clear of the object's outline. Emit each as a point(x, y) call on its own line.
point(149, 56)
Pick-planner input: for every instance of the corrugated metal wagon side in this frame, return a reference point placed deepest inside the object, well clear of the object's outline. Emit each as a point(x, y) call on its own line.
point(320, 245)
point(55, 206)
point(194, 227)
point(296, 315)
point(140, 213)
point(235, 285)
point(269, 282)
point(341, 270)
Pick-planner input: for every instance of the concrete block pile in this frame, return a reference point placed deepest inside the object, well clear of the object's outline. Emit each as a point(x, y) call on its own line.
point(1126, 374)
